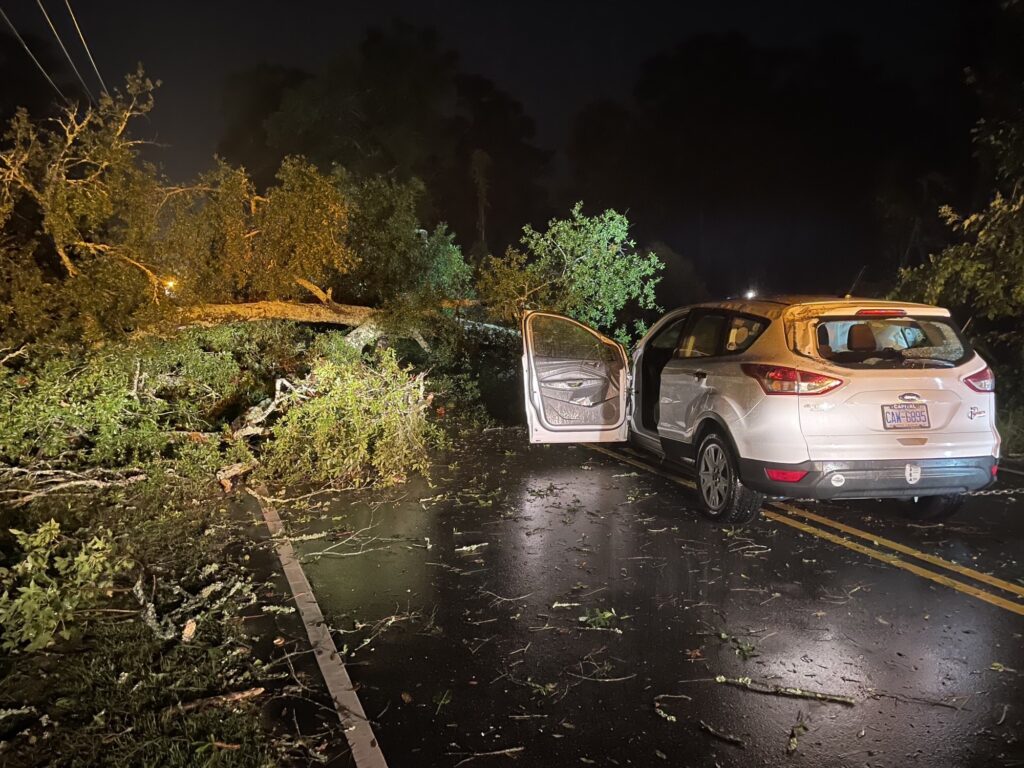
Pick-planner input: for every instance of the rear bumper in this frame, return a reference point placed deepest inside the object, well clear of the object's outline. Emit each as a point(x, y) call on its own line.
point(849, 479)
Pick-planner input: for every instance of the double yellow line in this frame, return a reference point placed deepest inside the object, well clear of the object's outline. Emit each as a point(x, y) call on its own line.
point(796, 517)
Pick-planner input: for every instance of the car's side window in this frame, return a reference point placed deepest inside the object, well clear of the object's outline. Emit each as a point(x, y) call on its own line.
point(702, 336)
point(741, 332)
point(668, 337)
point(555, 338)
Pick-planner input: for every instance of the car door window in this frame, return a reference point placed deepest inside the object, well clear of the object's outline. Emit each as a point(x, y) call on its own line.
point(668, 337)
point(555, 338)
point(702, 337)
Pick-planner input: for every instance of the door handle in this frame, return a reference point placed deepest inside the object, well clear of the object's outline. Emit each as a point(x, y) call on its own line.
point(700, 375)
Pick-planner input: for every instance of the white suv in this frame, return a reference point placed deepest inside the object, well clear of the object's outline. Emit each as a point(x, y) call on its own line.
point(800, 397)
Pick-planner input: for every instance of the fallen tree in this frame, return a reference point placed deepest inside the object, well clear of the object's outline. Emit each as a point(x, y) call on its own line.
point(328, 313)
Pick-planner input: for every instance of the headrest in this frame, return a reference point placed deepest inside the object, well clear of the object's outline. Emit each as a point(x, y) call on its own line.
point(823, 340)
point(860, 338)
point(737, 336)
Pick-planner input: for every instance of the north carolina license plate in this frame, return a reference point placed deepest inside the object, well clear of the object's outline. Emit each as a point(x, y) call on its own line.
point(905, 416)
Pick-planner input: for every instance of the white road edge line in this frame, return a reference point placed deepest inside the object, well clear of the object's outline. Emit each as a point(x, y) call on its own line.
point(358, 732)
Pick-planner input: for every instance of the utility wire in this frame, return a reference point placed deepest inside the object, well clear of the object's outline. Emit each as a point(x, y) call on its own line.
point(66, 54)
point(86, 46)
point(32, 56)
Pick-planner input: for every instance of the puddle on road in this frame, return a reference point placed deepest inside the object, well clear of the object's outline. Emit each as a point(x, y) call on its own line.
point(552, 604)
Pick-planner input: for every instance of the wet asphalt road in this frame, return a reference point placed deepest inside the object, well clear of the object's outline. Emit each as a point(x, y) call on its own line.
point(554, 605)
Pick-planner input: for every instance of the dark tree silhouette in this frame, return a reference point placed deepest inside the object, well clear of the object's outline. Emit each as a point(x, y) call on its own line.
point(762, 164)
point(399, 106)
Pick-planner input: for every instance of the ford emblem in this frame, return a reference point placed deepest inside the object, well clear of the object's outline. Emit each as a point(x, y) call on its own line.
point(910, 397)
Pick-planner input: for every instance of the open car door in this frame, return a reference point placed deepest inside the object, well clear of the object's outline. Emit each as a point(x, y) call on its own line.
point(575, 382)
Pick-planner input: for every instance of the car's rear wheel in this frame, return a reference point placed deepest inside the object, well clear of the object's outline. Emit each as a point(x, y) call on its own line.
point(934, 507)
point(722, 496)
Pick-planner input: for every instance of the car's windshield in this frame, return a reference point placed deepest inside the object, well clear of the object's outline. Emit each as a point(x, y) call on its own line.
point(890, 342)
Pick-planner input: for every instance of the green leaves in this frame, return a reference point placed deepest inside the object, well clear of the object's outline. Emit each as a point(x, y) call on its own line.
point(129, 405)
point(54, 580)
point(985, 270)
point(981, 275)
point(367, 420)
point(583, 266)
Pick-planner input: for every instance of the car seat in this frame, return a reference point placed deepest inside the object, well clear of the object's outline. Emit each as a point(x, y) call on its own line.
point(824, 347)
point(860, 338)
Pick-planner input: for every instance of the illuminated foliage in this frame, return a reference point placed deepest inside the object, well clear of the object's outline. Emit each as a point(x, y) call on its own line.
point(982, 271)
point(224, 242)
point(981, 275)
point(367, 421)
point(583, 266)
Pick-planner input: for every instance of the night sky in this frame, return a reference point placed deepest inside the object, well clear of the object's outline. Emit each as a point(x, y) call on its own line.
point(553, 56)
point(558, 58)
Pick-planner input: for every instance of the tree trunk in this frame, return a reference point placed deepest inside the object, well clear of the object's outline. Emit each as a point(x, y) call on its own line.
point(366, 330)
point(335, 314)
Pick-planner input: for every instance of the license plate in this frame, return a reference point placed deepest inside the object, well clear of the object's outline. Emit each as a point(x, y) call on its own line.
point(905, 416)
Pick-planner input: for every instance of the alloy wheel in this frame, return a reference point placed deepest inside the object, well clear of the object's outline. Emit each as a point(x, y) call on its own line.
point(714, 476)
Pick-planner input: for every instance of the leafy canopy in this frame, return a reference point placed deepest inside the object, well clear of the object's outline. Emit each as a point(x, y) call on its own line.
point(95, 243)
point(583, 266)
point(984, 270)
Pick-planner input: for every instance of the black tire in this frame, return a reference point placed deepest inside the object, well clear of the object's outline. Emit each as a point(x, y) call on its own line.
point(933, 507)
point(723, 498)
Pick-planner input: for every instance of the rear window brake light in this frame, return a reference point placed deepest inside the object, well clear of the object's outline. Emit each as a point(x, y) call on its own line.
point(881, 313)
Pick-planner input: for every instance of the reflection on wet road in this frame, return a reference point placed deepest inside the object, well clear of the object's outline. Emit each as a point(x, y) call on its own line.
point(556, 605)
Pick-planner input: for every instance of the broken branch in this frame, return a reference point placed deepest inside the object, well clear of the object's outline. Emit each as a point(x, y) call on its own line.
point(510, 752)
point(781, 690)
point(217, 701)
point(727, 737)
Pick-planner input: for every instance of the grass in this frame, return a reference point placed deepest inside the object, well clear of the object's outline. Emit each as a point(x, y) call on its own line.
point(124, 691)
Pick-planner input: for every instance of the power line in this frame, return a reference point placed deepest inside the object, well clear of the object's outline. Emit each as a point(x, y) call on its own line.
point(86, 46)
point(66, 54)
point(32, 56)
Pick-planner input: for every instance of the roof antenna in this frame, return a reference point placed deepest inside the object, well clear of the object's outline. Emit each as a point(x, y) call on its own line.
point(856, 280)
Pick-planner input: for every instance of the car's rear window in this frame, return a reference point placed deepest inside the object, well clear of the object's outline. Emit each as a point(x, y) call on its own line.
point(890, 342)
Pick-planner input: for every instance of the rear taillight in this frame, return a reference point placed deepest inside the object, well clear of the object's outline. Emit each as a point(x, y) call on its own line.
point(786, 475)
point(782, 380)
point(982, 381)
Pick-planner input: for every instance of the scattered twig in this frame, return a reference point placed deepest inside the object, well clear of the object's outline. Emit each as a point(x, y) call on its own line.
point(727, 737)
point(798, 730)
point(498, 599)
point(226, 476)
point(45, 483)
point(602, 679)
point(290, 499)
point(22, 350)
point(217, 701)
point(512, 752)
point(662, 696)
point(914, 700)
point(781, 690)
